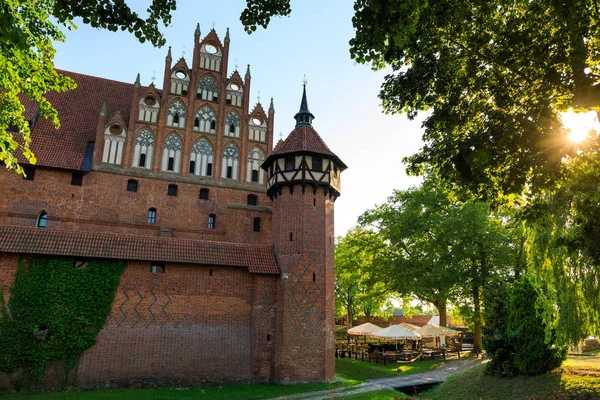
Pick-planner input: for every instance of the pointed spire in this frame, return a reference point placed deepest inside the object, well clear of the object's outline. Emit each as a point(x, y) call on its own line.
point(197, 32)
point(271, 107)
point(137, 81)
point(248, 72)
point(304, 116)
point(227, 35)
point(103, 108)
point(169, 54)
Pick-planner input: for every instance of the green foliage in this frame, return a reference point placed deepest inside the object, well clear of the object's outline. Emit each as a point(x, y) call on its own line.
point(71, 303)
point(259, 12)
point(531, 330)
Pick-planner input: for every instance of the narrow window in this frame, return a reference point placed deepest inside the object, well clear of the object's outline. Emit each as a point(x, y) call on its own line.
point(291, 236)
point(42, 220)
point(211, 221)
point(317, 164)
point(77, 179)
point(132, 185)
point(228, 101)
point(215, 99)
point(213, 125)
point(252, 200)
point(172, 190)
point(268, 337)
point(210, 273)
point(184, 92)
point(290, 163)
point(232, 128)
point(29, 173)
point(314, 277)
point(254, 175)
point(192, 167)
point(176, 119)
point(209, 169)
point(157, 268)
point(196, 122)
point(314, 202)
point(256, 224)
point(142, 162)
point(152, 215)
point(203, 194)
point(171, 164)
point(230, 172)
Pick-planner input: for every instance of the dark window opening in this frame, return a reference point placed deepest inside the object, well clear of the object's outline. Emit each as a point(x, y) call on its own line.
point(228, 101)
point(142, 162)
point(132, 185)
point(230, 172)
point(210, 273)
point(291, 236)
point(172, 190)
point(213, 125)
point(171, 164)
point(232, 128)
point(215, 99)
point(152, 215)
point(176, 119)
point(252, 200)
point(256, 227)
point(197, 122)
point(268, 337)
point(317, 164)
point(192, 167)
point(314, 277)
point(211, 221)
point(199, 96)
point(80, 263)
point(290, 163)
point(29, 173)
point(203, 194)
point(254, 175)
point(157, 268)
point(315, 202)
point(209, 169)
point(77, 179)
point(42, 220)
point(184, 92)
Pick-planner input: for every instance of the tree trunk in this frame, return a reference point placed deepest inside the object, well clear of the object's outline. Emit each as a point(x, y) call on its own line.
point(441, 307)
point(476, 319)
point(349, 312)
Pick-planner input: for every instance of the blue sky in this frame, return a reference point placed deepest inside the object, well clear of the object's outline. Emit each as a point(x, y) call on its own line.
point(313, 40)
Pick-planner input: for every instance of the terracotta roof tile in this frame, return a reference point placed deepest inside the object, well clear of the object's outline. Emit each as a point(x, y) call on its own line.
point(78, 111)
point(258, 259)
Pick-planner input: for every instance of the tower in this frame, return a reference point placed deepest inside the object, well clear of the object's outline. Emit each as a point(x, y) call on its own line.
point(304, 181)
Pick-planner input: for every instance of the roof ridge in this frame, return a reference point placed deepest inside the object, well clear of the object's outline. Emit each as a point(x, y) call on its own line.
point(93, 76)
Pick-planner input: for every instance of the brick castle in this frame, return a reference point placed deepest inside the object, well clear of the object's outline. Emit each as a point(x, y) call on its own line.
point(228, 241)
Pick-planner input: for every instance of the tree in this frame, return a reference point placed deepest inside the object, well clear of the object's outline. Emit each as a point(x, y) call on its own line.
point(356, 292)
point(27, 30)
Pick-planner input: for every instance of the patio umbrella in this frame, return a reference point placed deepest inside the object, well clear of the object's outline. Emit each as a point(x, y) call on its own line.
point(435, 330)
point(364, 329)
point(409, 326)
point(395, 332)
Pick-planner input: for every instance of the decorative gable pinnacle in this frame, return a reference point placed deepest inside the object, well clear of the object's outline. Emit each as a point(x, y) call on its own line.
point(248, 76)
point(227, 35)
point(169, 58)
point(271, 107)
point(103, 108)
point(197, 32)
point(137, 81)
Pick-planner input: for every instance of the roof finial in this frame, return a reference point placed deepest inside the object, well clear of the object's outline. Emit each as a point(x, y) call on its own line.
point(183, 52)
point(103, 108)
point(153, 76)
point(169, 54)
point(258, 97)
point(214, 24)
point(271, 106)
point(280, 134)
point(197, 32)
point(227, 35)
point(137, 81)
point(304, 81)
point(304, 116)
point(248, 71)
point(236, 65)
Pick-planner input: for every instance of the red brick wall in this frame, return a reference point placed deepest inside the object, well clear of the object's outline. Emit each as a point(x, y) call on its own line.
point(103, 204)
point(305, 340)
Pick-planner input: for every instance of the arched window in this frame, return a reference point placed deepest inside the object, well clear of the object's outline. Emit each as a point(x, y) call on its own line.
point(212, 219)
point(42, 220)
point(230, 162)
point(179, 82)
point(208, 89)
point(252, 200)
point(172, 153)
point(149, 108)
point(152, 215)
point(205, 120)
point(201, 158)
point(210, 57)
point(132, 185)
point(235, 94)
point(257, 128)
point(144, 148)
point(203, 194)
point(256, 225)
point(114, 141)
point(255, 159)
point(176, 114)
point(233, 123)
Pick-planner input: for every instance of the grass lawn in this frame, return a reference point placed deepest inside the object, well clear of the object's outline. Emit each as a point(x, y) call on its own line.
point(209, 393)
point(362, 370)
point(577, 378)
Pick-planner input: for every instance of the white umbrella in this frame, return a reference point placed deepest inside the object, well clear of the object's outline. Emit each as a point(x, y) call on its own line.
point(434, 330)
point(364, 329)
point(409, 326)
point(395, 332)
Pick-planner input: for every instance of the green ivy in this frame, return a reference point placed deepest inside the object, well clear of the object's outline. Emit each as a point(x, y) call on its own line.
point(71, 303)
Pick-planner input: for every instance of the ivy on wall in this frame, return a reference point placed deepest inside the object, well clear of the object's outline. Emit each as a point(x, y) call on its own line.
point(56, 309)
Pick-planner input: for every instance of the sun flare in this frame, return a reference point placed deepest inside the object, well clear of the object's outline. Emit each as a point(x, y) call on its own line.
point(580, 124)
